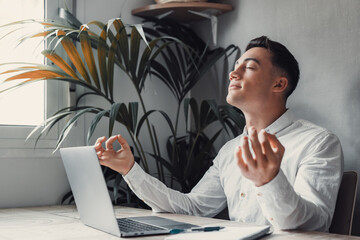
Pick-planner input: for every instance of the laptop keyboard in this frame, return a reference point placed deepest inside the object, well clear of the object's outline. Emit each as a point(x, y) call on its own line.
point(129, 225)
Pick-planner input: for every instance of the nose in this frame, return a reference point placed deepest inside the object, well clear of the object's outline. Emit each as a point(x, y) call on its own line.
point(234, 75)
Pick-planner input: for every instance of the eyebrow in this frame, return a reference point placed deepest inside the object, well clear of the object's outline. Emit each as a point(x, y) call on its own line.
point(252, 59)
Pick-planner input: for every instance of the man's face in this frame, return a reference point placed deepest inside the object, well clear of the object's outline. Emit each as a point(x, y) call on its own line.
point(252, 80)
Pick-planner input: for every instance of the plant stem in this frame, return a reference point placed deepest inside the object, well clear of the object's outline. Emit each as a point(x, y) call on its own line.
point(174, 142)
point(148, 126)
point(175, 133)
point(146, 166)
point(191, 151)
point(162, 176)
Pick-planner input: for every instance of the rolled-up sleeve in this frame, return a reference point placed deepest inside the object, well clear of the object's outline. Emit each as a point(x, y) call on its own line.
point(309, 204)
point(206, 199)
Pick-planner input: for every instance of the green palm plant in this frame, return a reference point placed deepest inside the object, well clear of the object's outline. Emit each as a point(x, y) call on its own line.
point(111, 49)
point(195, 150)
point(180, 72)
point(186, 59)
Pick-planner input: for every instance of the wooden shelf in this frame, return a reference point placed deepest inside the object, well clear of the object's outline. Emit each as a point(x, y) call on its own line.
point(180, 10)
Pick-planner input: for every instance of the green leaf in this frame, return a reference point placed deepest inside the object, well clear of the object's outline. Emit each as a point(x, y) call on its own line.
point(89, 56)
point(146, 115)
point(215, 109)
point(205, 115)
point(74, 55)
point(141, 73)
point(123, 42)
point(114, 111)
point(235, 115)
point(66, 130)
point(60, 62)
point(102, 48)
point(94, 124)
point(140, 30)
point(78, 99)
point(165, 76)
point(133, 110)
point(195, 111)
point(45, 124)
point(69, 17)
point(141, 121)
point(134, 53)
point(200, 156)
point(110, 65)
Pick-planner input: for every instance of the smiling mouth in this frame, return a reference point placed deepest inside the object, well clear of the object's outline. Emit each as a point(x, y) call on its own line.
point(234, 86)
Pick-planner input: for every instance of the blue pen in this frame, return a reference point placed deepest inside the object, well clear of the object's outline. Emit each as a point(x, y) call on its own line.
point(200, 229)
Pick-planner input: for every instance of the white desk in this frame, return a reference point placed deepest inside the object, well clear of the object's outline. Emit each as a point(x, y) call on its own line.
point(62, 222)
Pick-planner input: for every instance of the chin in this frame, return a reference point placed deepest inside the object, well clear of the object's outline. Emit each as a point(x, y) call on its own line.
point(230, 100)
point(233, 101)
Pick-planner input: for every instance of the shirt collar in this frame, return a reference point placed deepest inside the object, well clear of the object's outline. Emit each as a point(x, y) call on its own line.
point(279, 124)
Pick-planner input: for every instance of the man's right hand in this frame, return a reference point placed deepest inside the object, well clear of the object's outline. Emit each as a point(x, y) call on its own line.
point(121, 161)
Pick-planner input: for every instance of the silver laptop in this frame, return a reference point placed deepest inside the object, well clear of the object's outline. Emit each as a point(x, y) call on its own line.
point(93, 200)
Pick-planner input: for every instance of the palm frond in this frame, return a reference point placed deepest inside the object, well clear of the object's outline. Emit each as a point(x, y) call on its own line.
point(60, 62)
point(89, 56)
point(70, 123)
point(114, 112)
point(101, 51)
point(94, 123)
point(73, 54)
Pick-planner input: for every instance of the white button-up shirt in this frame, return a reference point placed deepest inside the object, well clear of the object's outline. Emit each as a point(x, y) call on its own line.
point(301, 196)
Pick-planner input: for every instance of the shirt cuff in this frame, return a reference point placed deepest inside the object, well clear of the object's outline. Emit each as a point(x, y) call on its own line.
point(276, 188)
point(135, 176)
point(277, 200)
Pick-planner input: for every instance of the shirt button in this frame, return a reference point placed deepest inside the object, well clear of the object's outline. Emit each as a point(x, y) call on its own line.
point(242, 195)
point(271, 219)
point(259, 194)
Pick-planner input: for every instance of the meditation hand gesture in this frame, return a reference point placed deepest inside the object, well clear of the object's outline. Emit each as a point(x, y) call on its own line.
point(121, 161)
point(268, 153)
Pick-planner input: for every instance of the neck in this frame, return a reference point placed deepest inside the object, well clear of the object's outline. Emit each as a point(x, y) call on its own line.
point(262, 119)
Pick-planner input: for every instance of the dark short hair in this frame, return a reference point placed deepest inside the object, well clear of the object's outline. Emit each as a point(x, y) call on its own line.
point(281, 58)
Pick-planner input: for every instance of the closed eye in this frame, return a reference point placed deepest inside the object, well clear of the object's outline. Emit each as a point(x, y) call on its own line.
point(251, 68)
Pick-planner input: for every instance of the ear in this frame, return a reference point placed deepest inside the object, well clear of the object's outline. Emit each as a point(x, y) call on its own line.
point(280, 84)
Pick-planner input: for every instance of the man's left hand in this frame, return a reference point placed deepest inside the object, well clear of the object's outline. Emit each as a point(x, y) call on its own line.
point(268, 153)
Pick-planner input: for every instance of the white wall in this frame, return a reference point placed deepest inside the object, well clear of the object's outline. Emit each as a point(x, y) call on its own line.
point(31, 181)
point(324, 37)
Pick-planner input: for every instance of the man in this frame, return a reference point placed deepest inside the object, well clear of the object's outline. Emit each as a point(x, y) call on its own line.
point(281, 171)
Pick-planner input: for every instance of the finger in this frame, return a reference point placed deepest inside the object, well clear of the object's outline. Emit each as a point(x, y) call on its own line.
point(103, 163)
point(275, 144)
point(109, 143)
point(241, 163)
point(99, 147)
point(98, 143)
point(255, 143)
point(105, 156)
point(244, 145)
point(259, 156)
point(99, 154)
point(124, 144)
point(265, 145)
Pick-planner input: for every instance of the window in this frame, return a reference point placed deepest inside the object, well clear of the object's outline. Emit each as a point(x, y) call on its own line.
point(28, 106)
point(25, 106)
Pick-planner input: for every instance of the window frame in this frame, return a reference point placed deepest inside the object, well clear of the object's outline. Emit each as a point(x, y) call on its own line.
point(12, 137)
